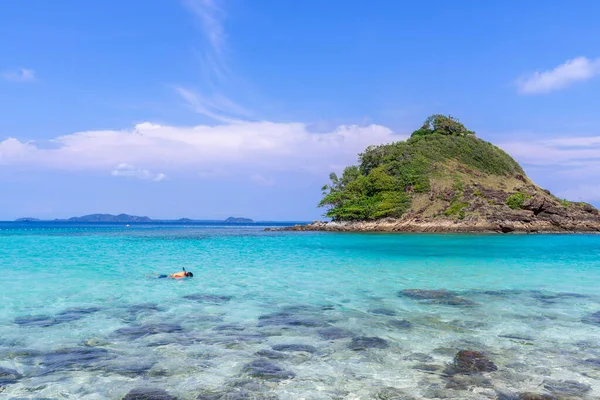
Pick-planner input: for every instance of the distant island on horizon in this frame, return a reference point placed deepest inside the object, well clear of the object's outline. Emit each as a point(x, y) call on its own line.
point(126, 218)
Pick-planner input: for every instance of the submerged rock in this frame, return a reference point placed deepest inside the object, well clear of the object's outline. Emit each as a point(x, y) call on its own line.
point(131, 369)
point(228, 327)
point(469, 362)
point(367, 342)
point(334, 333)
point(208, 298)
point(593, 318)
point(74, 358)
point(36, 320)
point(290, 319)
point(145, 307)
point(392, 393)
point(421, 357)
point(243, 391)
point(594, 362)
point(139, 310)
point(464, 382)
point(400, 324)
point(517, 336)
point(24, 353)
point(75, 313)
point(535, 396)
point(423, 294)
point(295, 347)
point(427, 367)
point(148, 394)
point(443, 297)
point(383, 311)
point(9, 376)
point(265, 369)
point(566, 388)
point(139, 331)
point(235, 393)
point(273, 355)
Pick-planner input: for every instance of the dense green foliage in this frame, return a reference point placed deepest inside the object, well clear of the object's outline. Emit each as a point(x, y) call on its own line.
point(516, 200)
point(386, 177)
point(442, 125)
point(456, 209)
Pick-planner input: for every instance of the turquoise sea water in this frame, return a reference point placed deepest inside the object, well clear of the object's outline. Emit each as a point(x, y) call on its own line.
point(82, 317)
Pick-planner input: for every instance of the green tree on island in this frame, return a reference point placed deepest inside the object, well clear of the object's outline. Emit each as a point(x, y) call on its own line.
point(389, 176)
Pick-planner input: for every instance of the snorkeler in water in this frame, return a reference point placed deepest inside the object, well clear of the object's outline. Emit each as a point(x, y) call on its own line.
point(178, 275)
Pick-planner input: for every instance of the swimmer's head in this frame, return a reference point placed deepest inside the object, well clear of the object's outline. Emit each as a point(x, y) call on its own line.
point(189, 274)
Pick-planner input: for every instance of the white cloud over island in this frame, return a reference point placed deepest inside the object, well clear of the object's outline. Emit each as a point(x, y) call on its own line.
point(564, 75)
point(242, 147)
point(572, 161)
point(260, 152)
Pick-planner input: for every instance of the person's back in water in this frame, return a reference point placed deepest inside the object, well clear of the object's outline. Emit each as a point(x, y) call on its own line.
point(178, 275)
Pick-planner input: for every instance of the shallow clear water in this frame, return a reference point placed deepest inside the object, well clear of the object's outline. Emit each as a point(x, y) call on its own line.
point(82, 317)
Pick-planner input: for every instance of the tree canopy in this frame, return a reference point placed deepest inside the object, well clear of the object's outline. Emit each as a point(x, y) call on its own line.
point(442, 125)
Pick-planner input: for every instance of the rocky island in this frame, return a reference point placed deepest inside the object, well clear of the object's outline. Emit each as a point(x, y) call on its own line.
point(445, 179)
point(238, 220)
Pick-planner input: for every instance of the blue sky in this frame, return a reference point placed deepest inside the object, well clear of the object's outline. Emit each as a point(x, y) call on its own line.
point(207, 108)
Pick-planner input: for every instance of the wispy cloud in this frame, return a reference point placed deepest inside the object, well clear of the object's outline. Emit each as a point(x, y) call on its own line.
point(582, 193)
point(210, 96)
point(20, 75)
point(261, 180)
point(558, 151)
point(130, 171)
point(211, 17)
point(572, 163)
point(218, 107)
point(572, 71)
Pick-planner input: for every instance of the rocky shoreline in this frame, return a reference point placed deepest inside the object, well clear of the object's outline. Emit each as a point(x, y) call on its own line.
point(445, 226)
point(540, 214)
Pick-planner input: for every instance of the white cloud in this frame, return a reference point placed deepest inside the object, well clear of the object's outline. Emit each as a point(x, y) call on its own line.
point(130, 171)
point(159, 177)
point(572, 71)
point(571, 163)
point(588, 193)
point(21, 75)
point(262, 180)
point(234, 147)
point(558, 151)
